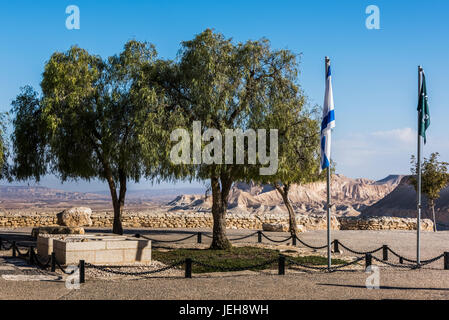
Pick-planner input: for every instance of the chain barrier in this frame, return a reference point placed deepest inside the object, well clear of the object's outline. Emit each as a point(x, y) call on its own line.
point(423, 262)
point(45, 264)
point(20, 254)
point(295, 263)
point(64, 269)
point(168, 241)
point(276, 241)
point(359, 252)
point(211, 237)
point(128, 273)
point(403, 266)
point(39, 263)
point(227, 269)
point(310, 246)
point(5, 247)
point(347, 264)
point(244, 237)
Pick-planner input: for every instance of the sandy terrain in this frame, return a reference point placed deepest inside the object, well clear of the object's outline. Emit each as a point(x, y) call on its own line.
point(429, 283)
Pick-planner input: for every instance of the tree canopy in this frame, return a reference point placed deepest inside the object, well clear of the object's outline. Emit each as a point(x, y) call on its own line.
point(299, 145)
point(87, 123)
point(226, 86)
point(222, 111)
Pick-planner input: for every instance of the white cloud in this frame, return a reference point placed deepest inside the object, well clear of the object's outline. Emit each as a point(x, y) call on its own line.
point(377, 154)
point(405, 135)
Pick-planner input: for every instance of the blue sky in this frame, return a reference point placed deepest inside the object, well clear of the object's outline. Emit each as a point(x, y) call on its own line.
point(374, 71)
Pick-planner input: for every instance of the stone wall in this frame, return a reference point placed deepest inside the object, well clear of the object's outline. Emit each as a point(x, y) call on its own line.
point(204, 220)
point(383, 223)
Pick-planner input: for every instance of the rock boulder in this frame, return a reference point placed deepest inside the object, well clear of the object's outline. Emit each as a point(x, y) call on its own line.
point(75, 217)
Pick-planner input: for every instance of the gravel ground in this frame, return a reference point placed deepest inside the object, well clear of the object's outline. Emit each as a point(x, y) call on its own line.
point(431, 282)
point(92, 273)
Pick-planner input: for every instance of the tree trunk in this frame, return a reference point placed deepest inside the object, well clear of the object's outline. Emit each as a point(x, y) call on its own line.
point(432, 205)
point(219, 206)
point(117, 227)
point(117, 202)
point(283, 191)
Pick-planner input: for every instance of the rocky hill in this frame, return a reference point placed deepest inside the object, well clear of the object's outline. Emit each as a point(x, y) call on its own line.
point(43, 199)
point(401, 202)
point(351, 196)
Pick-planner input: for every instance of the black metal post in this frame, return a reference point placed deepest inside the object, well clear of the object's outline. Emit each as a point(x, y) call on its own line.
point(385, 252)
point(53, 262)
point(188, 268)
point(1, 243)
point(259, 236)
point(137, 235)
point(336, 248)
point(446, 261)
point(281, 265)
point(82, 270)
point(401, 261)
point(199, 237)
point(14, 253)
point(294, 240)
point(368, 260)
point(30, 256)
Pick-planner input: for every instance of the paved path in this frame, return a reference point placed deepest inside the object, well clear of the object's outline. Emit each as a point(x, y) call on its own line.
point(15, 269)
point(430, 283)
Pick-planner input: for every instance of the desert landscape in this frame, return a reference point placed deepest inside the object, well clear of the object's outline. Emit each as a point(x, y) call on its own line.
point(251, 150)
point(392, 196)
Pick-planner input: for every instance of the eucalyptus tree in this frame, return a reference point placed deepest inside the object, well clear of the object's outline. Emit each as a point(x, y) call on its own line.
point(87, 122)
point(225, 86)
point(4, 148)
point(299, 145)
point(434, 178)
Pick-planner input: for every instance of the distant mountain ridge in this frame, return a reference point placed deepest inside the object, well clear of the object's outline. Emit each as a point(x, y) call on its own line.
point(41, 198)
point(402, 202)
point(27, 193)
point(349, 195)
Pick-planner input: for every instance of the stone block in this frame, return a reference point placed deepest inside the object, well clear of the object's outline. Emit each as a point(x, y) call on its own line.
point(128, 244)
point(141, 256)
point(75, 217)
point(109, 256)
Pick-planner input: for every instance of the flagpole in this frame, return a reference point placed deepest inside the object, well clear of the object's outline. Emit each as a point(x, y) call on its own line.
point(418, 224)
point(329, 261)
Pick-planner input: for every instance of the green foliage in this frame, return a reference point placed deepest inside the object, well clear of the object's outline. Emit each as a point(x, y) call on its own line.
point(88, 121)
point(226, 85)
point(88, 118)
point(29, 137)
point(4, 148)
point(434, 176)
point(237, 257)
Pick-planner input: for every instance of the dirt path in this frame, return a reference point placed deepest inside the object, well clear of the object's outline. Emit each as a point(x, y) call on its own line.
point(429, 283)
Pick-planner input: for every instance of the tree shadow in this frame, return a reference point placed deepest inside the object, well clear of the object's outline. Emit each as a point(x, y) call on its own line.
point(381, 287)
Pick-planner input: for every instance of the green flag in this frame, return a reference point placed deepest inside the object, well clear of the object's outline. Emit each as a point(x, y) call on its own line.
point(423, 110)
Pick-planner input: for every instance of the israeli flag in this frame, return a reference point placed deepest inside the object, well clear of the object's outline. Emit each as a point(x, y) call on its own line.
point(328, 120)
